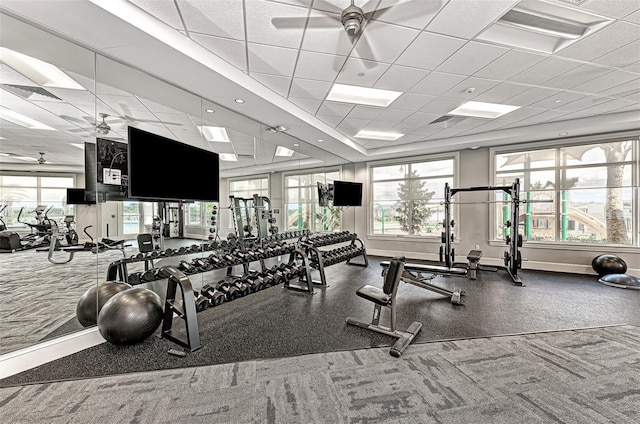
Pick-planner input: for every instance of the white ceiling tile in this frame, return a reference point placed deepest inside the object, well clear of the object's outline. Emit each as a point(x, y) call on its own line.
point(233, 51)
point(611, 8)
point(378, 125)
point(308, 105)
point(157, 107)
point(309, 89)
point(278, 84)
point(509, 64)
point(437, 83)
point(394, 115)
point(331, 120)
point(551, 102)
point(331, 39)
point(584, 103)
point(414, 14)
point(446, 133)
point(123, 104)
point(375, 144)
point(400, 78)
point(471, 58)
point(610, 106)
point(519, 114)
point(260, 29)
point(10, 76)
point(634, 67)
point(335, 108)
point(365, 112)
point(479, 85)
point(634, 17)
point(350, 126)
point(501, 92)
point(442, 105)
point(621, 57)
point(599, 43)
point(411, 101)
point(164, 10)
point(468, 123)
point(271, 60)
point(548, 116)
point(223, 18)
point(421, 118)
point(545, 70)
point(607, 81)
point(577, 76)
point(383, 42)
point(318, 66)
point(361, 72)
point(429, 50)
point(461, 19)
point(530, 96)
point(406, 128)
point(622, 90)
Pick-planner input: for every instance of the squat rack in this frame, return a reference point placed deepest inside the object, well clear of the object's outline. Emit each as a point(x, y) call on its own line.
point(512, 257)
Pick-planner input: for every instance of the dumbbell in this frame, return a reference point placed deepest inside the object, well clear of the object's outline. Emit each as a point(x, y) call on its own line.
point(230, 292)
point(202, 303)
point(148, 276)
point(243, 287)
point(215, 261)
point(186, 267)
point(134, 278)
point(215, 297)
point(182, 250)
point(161, 274)
point(202, 264)
point(255, 281)
point(169, 252)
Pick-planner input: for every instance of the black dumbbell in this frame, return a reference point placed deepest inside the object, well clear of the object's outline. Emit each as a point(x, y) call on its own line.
point(243, 287)
point(186, 267)
point(148, 276)
point(230, 292)
point(168, 252)
point(202, 303)
point(134, 278)
point(215, 297)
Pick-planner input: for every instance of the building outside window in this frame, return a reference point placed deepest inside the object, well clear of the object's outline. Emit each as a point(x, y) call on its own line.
point(301, 202)
point(407, 196)
point(584, 193)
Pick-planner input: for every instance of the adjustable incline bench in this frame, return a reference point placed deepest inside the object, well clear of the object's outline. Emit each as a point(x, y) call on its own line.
point(387, 297)
point(413, 274)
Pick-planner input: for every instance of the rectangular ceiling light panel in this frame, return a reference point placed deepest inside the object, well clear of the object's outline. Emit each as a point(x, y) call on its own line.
point(42, 73)
point(23, 121)
point(228, 157)
point(218, 134)
point(483, 110)
point(542, 26)
point(362, 95)
point(284, 152)
point(378, 135)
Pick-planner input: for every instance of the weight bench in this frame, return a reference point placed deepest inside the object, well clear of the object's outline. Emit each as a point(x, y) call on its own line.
point(387, 297)
point(93, 247)
point(413, 274)
point(474, 260)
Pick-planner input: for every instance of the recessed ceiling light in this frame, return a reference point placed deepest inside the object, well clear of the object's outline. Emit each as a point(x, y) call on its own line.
point(276, 129)
point(239, 101)
point(543, 26)
point(218, 134)
point(474, 147)
point(378, 135)
point(210, 111)
point(564, 133)
point(23, 121)
point(284, 152)
point(78, 145)
point(296, 144)
point(557, 101)
point(43, 73)
point(483, 110)
point(362, 95)
point(320, 140)
point(228, 157)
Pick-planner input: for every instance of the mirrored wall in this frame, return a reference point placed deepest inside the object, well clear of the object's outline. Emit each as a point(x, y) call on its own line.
point(61, 106)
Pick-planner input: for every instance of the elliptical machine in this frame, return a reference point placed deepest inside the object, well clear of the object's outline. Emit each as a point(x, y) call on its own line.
point(40, 235)
point(3, 225)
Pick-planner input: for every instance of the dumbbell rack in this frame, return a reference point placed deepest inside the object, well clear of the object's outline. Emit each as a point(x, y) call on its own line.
point(319, 259)
point(184, 309)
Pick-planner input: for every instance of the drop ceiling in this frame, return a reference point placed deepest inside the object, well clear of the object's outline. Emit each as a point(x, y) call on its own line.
point(430, 51)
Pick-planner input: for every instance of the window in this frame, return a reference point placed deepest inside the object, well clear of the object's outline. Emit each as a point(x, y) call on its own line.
point(131, 217)
point(247, 188)
point(26, 192)
point(406, 196)
point(584, 192)
point(301, 202)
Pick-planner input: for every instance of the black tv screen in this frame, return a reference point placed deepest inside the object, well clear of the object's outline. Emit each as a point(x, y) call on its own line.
point(165, 169)
point(347, 194)
point(77, 196)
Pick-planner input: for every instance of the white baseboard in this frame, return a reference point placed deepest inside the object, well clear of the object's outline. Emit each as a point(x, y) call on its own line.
point(30, 357)
point(532, 265)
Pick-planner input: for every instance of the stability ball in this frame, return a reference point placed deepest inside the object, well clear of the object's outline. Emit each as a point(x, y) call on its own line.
point(623, 281)
point(130, 316)
point(93, 300)
point(608, 264)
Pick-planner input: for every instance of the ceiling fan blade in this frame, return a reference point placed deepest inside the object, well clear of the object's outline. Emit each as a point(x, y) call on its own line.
point(377, 12)
point(365, 52)
point(300, 22)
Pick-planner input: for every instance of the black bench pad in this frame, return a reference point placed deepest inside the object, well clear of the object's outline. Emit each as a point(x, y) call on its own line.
point(374, 294)
point(429, 268)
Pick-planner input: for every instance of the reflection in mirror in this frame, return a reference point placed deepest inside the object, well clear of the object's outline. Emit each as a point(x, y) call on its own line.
point(47, 109)
point(82, 131)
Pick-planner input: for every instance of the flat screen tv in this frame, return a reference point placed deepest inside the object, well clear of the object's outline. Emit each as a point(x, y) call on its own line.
point(163, 169)
point(77, 196)
point(347, 193)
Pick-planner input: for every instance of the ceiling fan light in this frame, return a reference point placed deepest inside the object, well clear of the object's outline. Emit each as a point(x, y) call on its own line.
point(352, 26)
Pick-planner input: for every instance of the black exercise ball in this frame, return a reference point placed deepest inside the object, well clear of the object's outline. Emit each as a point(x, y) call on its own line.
point(130, 317)
point(608, 264)
point(93, 300)
point(623, 281)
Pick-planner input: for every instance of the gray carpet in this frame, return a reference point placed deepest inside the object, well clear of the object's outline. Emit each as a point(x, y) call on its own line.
point(579, 376)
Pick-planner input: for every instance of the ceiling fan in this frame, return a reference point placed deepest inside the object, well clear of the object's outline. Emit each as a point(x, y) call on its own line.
point(41, 159)
point(352, 18)
point(102, 127)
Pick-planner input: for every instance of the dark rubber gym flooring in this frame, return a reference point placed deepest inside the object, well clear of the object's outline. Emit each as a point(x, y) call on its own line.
point(276, 322)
